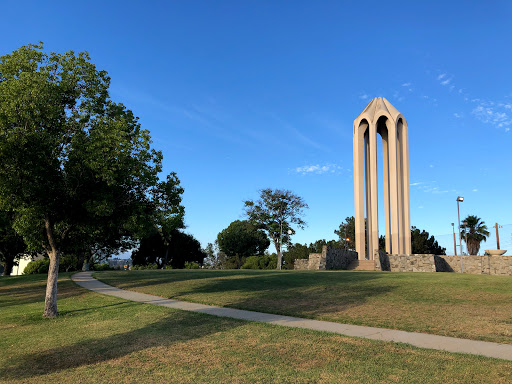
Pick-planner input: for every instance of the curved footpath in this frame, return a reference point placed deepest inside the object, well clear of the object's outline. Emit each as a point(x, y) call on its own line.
point(422, 340)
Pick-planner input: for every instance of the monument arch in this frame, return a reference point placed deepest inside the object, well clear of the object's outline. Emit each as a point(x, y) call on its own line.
point(380, 117)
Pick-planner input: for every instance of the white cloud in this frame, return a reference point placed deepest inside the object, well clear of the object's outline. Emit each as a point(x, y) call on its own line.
point(458, 115)
point(475, 190)
point(441, 76)
point(446, 82)
point(318, 169)
point(489, 113)
point(406, 84)
point(364, 96)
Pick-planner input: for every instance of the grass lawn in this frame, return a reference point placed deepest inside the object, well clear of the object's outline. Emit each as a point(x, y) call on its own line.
point(102, 339)
point(467, 306)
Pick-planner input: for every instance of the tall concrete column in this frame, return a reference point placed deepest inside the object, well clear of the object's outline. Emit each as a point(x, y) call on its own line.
point(394, 131)
point(406, 195)
point(393, 185)
point(359, 196)
point(385, 166)
point(374, 212)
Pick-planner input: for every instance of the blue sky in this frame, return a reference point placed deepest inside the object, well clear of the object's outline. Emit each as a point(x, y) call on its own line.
point(245, 95)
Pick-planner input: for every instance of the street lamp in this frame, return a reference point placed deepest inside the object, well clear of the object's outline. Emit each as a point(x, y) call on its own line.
point(460, 199)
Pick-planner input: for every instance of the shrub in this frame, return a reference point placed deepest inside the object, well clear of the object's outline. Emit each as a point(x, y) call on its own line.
point(261, 262)
point(37, 266)
point(102, 267)
point(143, 267)
point(191, 265)
point(252, 262)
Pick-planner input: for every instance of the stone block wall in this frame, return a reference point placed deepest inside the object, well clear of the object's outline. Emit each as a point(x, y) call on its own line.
point(330, 258)
point(404, 263)
point(301, 264)
point(337, 258)
point(480, 265)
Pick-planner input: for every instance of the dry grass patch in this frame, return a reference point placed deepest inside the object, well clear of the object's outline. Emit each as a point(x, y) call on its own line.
point(101, 339)
point(449, 304)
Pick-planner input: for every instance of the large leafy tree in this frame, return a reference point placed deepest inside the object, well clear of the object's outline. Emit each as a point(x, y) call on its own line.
point(74, 165)
point(275, 212)
point(241, 239)
point(473, 233)
point(166, 212)
point(153, 249)
point(423, 243)
point(12, 245)
point(347, 233)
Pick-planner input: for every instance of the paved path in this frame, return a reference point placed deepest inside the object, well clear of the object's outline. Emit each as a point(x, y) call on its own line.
point(422, 340)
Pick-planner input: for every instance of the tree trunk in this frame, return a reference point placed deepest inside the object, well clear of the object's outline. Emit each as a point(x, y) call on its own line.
point(9, 263)
point(165, 257)
point(81, 260)
point(279, 255)
point(50, 300)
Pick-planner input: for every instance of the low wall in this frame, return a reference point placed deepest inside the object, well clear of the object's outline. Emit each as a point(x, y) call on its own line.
point(404, 263)
point(478, 265)
point(337, 258)
point(301, 264)
point(331, 258)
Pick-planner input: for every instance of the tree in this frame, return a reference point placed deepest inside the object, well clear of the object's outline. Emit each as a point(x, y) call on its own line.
point(74, 165)
point(294, 252)
point(347, 233)
point(241, 239)
point(423, 244)
point(473, 233)
point(153, 249)
point(275, 212)
point(12, 245)
point(166, 212)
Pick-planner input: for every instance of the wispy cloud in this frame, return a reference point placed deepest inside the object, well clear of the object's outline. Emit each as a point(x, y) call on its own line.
point(428, 187)
point(446, 82)
point(317, 169)
point(475, 190)
point(364, 96)
point(441, 76)
point(491, 113)
point(406, 84)
point(458, 115)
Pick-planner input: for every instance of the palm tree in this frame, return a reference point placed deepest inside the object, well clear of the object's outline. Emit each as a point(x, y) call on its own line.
point(474, 232)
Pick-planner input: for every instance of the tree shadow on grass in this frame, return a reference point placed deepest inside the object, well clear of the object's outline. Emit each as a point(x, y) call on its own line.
point(134, 279)
point(31, 289)
point(305, 294)
point(177, 326)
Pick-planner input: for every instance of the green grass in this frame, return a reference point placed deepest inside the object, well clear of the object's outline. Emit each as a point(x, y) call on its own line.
point(467, 306)
point(101, 339)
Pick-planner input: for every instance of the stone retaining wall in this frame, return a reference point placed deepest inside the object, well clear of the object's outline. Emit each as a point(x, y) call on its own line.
point(331, 258)
point(478, 265)
point(404, 263)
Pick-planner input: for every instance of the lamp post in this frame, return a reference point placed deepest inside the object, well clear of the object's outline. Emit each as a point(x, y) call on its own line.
point(454, 241)
point(460, 199)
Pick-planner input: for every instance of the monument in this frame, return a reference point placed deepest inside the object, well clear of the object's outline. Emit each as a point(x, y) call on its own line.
point(380, 117)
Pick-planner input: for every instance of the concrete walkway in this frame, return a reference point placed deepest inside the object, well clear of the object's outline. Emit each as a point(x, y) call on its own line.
point(422, 340)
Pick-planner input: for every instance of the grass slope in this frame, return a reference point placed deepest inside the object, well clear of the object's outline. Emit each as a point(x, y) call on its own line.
point(101, 339)
point(467, 306)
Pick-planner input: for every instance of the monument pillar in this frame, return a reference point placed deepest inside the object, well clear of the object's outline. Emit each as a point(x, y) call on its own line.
point(380, 117)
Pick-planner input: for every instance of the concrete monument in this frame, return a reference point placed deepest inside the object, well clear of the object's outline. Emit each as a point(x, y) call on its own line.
point(380, 117)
